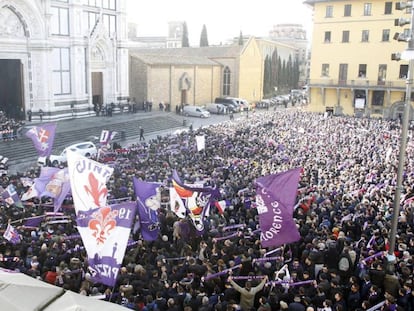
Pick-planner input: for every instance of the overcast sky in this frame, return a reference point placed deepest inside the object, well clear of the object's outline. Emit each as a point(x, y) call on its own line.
point(224, 19)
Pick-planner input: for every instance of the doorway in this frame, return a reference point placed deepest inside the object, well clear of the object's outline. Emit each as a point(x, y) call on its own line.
point(11, 88)
point(183, 97)
point(97, 90)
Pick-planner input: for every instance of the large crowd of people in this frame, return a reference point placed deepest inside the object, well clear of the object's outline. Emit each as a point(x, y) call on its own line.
point(344, 209)
point(10, 128)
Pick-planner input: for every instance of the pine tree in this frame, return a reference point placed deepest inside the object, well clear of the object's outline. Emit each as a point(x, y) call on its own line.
point(275, 69)
point(296, 70)
point(203, 37)
point(267, 76)
point(185, 43)
point(289, 73)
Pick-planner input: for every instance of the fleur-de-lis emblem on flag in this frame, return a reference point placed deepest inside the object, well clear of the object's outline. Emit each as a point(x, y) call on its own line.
point(96, 190)
point(102, 223)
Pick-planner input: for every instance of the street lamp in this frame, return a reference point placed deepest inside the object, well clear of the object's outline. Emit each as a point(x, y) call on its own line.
point(408, 54)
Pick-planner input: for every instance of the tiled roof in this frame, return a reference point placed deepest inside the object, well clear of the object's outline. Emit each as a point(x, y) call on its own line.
point(162, 59)
point(208, 52)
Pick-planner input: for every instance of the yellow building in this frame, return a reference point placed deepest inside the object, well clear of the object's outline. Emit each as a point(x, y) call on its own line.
point(351, 70)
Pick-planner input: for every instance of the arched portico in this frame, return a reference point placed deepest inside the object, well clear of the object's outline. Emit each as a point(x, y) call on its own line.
point(397, 111)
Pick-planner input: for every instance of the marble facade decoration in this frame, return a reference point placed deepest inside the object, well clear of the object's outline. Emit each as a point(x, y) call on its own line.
point(28, 35)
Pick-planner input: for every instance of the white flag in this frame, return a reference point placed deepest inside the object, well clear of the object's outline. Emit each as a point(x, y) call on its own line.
point(177, 204)
point(201, 142)
point(30, 193)
point(88, 180)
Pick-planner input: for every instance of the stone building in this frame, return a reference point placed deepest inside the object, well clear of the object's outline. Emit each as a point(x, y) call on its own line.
point(62, 57)
point(198, 75)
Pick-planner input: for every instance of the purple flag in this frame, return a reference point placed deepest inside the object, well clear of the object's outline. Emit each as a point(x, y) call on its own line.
point(148, 202)
point(11, 196)
point(105, 232)
point(275, 200)
point(43, 137)
point(284, 186)
point(54, 183)
point(197, 200)
point(11, 235)
point(33, 222)
point(106, 137)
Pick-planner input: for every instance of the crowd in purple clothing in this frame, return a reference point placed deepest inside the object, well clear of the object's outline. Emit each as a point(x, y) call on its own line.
point(343, 213)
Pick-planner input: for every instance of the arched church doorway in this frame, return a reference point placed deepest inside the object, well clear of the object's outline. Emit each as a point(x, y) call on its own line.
point(11, 88)
point(97, 91)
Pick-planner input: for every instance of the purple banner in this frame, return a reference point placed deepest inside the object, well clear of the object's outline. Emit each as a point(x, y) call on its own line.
point(267, 259)
point(11, 234)
point(223, 272)
point(54, 183)
point(290, 284)
point(275, 199)
point(148, 202)
point(11, 197)
point(43, 137)
point(33, 222)
point(105, 232)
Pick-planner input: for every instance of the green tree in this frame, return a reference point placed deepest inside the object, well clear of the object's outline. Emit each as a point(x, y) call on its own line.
point(203, 37)
point(279, 81)
point(241, 41)
point(185, 43)
point(296, 71)
point(289, 72)
point(267, 76)
point(275, 68)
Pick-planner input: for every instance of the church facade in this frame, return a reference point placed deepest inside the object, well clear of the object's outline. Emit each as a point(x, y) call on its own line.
point(64, 58)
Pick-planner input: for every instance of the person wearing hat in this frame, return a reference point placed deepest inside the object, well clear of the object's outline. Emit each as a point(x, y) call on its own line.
point(247, 293)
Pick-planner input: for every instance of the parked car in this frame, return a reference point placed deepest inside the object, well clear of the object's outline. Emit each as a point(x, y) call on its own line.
point(263, 104)
point(231, 104)
point(216, 108)
point(281, 100)
point(195, 111)
point(243, 104)
point(87, 149)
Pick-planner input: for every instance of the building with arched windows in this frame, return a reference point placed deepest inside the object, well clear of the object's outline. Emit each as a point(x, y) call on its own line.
point(63, 57)
point(156, 75)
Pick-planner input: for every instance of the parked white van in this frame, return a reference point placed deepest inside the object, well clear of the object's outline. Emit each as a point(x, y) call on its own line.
point(244, 104)
point(195, 111)
point(216, 108)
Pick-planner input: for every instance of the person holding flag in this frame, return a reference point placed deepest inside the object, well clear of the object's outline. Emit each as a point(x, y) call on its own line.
point(104, 228)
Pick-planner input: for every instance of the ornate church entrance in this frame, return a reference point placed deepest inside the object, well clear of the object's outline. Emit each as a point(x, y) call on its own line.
point(11, 88)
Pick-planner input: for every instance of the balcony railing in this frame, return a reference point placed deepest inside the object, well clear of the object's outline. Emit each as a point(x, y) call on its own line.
point(397, 84)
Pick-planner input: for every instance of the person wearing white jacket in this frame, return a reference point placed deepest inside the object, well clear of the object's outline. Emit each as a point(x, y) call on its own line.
point(247, 293)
